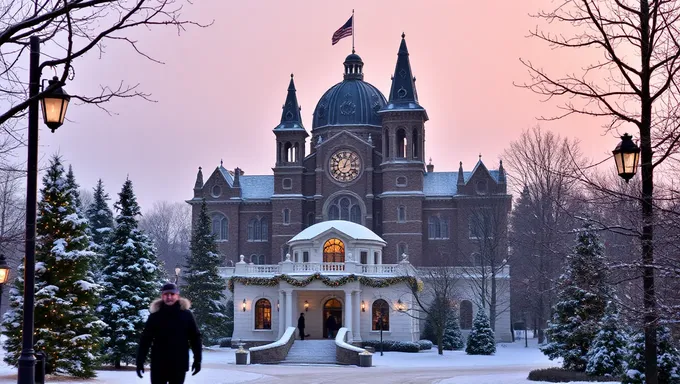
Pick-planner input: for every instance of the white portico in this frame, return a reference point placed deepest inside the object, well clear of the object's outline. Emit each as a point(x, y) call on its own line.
point(333, 269)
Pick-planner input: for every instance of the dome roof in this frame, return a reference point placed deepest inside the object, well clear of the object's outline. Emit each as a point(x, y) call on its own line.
point(351, 102)
point(350, 229)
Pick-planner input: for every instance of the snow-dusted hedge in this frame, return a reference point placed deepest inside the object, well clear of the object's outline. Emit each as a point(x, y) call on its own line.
point(424, 345)
point(561, 375)
point(393, 346)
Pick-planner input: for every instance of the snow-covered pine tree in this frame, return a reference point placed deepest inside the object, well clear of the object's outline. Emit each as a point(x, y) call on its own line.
point(13, 318)
point(481, 340)
point(131, 280)
point(101, 222)
point(581, 300)
point(453, 338)
point(668, 359)
point(203, 286)
point(73, 185)
point(66, 325)
point(608, 349)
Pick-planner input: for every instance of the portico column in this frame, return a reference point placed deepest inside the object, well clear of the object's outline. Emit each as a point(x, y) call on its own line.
point(356, 327)
point(281, 308)
point(348, 313)
point(289, 308)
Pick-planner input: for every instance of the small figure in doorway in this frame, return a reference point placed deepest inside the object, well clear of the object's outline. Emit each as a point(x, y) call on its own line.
point(301, 326)
point(330, 325)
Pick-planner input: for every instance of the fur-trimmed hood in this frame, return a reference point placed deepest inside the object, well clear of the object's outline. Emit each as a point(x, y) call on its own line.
point(184, 304)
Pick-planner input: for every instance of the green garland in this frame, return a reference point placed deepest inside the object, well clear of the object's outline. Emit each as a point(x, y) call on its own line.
point(371, 282)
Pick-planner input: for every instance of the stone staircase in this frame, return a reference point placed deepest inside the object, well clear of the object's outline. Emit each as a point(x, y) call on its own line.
point(311, 352)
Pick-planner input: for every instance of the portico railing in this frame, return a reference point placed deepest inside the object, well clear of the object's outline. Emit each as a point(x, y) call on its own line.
point(318, 267)
point(346, 268)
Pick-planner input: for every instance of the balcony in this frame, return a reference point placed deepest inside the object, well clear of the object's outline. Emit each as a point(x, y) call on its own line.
point(292, 268)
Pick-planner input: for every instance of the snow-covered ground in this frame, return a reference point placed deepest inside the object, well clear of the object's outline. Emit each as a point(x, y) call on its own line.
point(510, 365)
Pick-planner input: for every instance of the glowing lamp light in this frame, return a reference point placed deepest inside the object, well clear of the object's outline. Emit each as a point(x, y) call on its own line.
point(626, 156)
point(54, 105)
point(244, 305)
point(363, 306)
point(306, 306)
point(4, 270)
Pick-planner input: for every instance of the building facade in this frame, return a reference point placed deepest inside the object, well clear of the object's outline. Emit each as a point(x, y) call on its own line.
point(366, 165)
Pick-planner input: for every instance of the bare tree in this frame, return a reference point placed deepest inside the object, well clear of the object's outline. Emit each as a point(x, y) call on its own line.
point(169, 226)
point(68, 30)
point(538, 166)
point(488, 226)
point(12, 206)
point(435, 297)
point(632, 83)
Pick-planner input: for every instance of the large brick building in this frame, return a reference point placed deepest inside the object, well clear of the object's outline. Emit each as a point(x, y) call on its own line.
point(367, 165)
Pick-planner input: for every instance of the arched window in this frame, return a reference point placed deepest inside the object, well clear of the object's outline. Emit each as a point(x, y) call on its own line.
point(334, 251)
point(263, 314)
point(220, 227)
point(288, 148)
point(401, 249)
point(465, 314)
point(401, 214)
point(380, 311)
point(386, 138)
point(253, 259)
point(402, 143)
point(345, 208)
point(286, 216)
point(257, 229)
point(414, 144)
point(438, 228)
point(260, 260)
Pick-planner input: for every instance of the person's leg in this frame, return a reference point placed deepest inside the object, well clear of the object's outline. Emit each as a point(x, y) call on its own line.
point(177, 378)
point(302, 334)
point(158, 376)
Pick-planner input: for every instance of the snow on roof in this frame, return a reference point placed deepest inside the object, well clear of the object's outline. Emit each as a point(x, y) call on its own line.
point(257, 186)
point(353, 230)
point(446, 183)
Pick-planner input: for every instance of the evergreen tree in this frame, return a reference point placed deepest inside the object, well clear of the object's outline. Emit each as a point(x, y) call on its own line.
point(668, 359)
point(66, 326)
point(481, 340)
point(131, 281)
point(453, 338)
point(608, 349)
point(581, 301)
point(203, 285)
point(73, 186)
point(101, 222)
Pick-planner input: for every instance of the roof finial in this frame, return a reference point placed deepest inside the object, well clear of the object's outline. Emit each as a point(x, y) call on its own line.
point(480, 156)
point(291, 75)
point(403, 35)
point(221, 162)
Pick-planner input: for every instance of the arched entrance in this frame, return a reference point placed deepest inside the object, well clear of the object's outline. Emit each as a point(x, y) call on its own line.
point(332, 308)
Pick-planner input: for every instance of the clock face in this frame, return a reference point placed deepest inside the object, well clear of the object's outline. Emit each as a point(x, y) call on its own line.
point(345, 165)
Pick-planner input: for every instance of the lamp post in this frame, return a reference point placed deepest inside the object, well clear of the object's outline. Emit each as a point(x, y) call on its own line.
point(626, 156)
point(177, 271)
point(54, 111)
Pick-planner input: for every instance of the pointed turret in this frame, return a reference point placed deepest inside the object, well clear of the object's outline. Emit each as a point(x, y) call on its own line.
point(199, 179)
point(461, 177)
point(501, 173)
point(290, 117)
point(403, 94)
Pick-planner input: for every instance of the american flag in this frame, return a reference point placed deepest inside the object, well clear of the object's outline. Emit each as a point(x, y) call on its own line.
point(344, 31)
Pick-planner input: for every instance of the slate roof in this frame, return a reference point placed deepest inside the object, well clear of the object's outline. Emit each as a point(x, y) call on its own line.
point(257, 187)
point(446, 183)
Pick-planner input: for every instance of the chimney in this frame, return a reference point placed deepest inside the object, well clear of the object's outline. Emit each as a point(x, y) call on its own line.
point(237, 173)
point(430, 166)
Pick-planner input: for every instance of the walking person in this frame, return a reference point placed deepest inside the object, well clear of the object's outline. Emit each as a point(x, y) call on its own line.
point(301, 326)
point(330, 325)
point(169, 331)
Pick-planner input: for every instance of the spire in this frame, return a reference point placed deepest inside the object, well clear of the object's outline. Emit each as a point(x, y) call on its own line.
point(290, 117)
point(461, 177)
point(403, 93)
point(199, 179)
point(501, 173)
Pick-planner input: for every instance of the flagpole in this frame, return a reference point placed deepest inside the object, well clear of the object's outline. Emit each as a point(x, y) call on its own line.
point(353, 30)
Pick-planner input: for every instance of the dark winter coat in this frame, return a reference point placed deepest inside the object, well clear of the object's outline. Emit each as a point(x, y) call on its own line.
point(301, 322)
point(330, 323)
point(169, 331)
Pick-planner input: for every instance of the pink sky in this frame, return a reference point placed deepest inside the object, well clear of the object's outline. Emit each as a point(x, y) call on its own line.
point(221, 90)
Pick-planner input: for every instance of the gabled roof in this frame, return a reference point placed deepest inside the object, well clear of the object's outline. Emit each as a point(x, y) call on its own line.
point(257, 187)
point(445, 183)
point(348, 228)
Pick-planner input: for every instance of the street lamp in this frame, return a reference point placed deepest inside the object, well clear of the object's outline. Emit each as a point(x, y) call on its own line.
point(54, 111)
point(626, 156)
point(177, 271)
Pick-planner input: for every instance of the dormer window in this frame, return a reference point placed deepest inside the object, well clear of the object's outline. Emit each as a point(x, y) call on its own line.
point(481, 187)
point(216, 191)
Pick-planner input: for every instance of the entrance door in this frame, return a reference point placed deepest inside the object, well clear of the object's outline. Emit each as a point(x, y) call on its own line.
point(332, 309)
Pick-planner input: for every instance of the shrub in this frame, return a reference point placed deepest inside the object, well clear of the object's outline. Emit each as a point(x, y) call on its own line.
point(392, 346)
point(225, 342)
point(561, 375)
point(425, 345)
